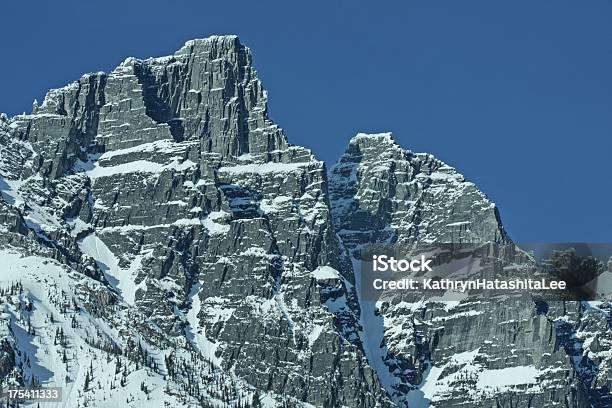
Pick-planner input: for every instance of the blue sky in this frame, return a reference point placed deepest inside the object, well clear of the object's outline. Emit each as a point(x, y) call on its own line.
point(516, 95)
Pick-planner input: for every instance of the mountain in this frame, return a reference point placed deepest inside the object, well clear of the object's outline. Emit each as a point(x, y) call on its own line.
point(164, 245)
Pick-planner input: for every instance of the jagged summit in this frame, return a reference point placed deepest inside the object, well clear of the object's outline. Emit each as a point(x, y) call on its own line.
point(214, 47)
point(166, 185)
point(229, 41)
point(206, 92)
point(381, 192)
point(386, 137)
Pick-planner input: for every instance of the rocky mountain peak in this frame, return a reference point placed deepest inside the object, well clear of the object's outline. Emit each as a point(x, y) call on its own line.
point(158, 226)
point(383, 193)
point(216, 46)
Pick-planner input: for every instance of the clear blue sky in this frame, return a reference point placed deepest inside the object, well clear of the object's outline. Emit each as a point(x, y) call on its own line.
point(516, 94)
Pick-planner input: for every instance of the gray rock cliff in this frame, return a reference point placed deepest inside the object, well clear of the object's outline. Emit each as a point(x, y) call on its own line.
point(163, 243)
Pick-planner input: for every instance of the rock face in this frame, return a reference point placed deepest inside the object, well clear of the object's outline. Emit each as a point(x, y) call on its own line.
point(165, 244)
point(380, 192)
point(457, 353)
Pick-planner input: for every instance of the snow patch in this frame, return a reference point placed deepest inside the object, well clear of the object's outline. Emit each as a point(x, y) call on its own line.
point(121, 279)
point(263, 168)
point(325, 272)
point(94, 170)
point(507, 377)
point(196, 333)
point(211, 224)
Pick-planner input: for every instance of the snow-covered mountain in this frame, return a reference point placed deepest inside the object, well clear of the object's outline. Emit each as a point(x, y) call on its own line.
point(164, 245)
